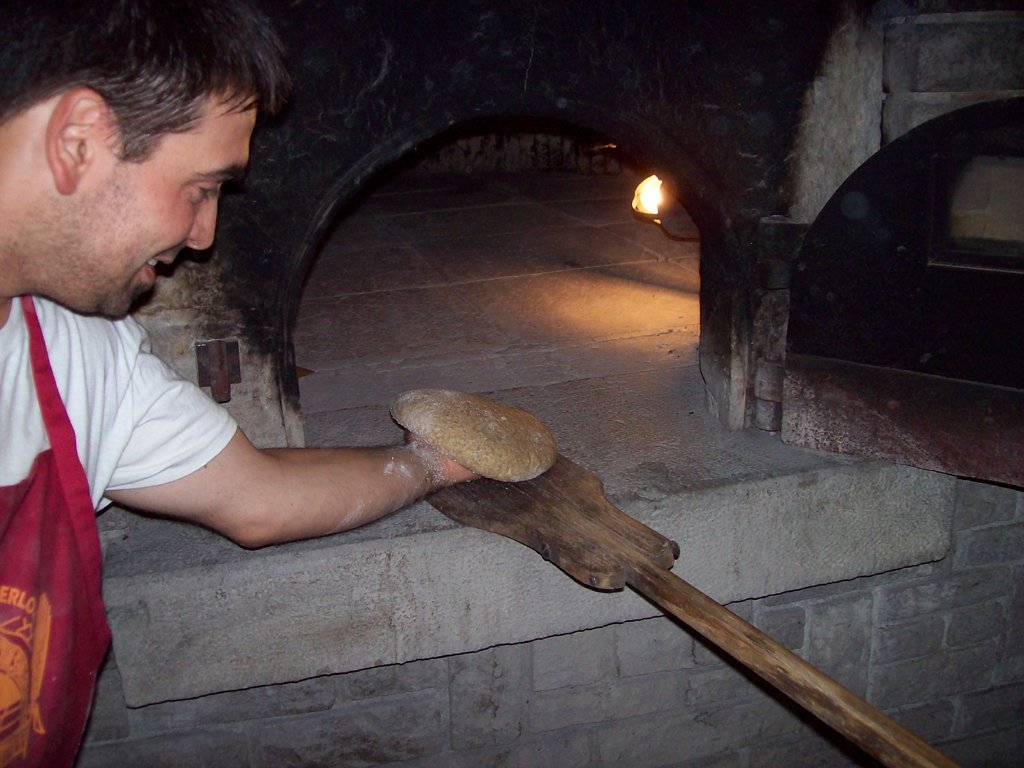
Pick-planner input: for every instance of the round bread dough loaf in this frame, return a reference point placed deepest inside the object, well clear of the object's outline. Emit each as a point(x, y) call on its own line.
point(488, 438)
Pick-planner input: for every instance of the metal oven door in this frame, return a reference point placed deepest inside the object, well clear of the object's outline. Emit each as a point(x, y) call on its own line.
point(906, 325)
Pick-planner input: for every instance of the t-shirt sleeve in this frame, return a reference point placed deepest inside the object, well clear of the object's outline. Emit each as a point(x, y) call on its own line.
point(173, 427)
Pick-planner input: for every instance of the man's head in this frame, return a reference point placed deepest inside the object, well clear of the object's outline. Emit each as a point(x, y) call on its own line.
point(153, 61)
point(119, 122)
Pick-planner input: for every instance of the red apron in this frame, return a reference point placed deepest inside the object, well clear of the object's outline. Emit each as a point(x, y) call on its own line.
point(53, 630)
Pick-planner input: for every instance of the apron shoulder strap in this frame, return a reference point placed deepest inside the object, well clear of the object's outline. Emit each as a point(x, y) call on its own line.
point(61, 433)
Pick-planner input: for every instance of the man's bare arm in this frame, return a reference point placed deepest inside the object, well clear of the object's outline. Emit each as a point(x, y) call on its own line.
point(259, 497)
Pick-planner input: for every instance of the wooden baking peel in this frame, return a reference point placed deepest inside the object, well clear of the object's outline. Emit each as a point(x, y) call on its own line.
point(565, 516)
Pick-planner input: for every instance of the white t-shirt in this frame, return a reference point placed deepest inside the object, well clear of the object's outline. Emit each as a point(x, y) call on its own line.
point(137, 423)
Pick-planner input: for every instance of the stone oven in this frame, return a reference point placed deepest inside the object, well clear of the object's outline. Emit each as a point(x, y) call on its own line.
point(855, 173)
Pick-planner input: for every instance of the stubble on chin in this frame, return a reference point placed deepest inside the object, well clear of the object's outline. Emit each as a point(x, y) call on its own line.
point(117, 304)
point(110, 300)
point(116, 307)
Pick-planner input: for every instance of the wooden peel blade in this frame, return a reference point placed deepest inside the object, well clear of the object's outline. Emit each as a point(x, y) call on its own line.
point(587, 538)
point(565, 516)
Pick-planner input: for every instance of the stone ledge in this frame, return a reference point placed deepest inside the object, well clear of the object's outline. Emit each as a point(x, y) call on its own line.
point(903, 112)
point(352, 603)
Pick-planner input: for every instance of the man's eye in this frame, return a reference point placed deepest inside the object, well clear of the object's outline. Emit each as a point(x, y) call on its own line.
point(206, 193)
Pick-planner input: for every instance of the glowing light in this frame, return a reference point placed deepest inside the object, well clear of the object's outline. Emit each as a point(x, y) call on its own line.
point(648, 198)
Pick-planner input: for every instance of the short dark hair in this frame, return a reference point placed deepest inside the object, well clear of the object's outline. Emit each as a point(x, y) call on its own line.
point(153, 61)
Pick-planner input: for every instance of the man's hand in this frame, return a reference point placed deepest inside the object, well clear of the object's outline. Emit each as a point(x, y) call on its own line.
point(446, 470)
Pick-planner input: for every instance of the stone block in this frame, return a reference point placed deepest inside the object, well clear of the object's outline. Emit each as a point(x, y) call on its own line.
point(109, 717)
point(974, 624)
point(747, 722)
point(186, 749)
point(979, 504)
point(824, 592)
point(956, 52)
point(716, 686)
point(565, 707)
point(633, 696)
point(742, 544)
point(572, 660)
point(909, 639)
point(652, 645)
point(933, 677)
point(1000, 749)
point(689, 735)
point(1010, 669)
point(284, 616)
point(652, 742)
point(569, 748)
point(356, 735)
point(998, 707)
point(316, 695)
point(905, 111)
point(930, 595)
point(839, 639)
point(1015, 613)
point(989, 546)
point(489, 692)
point(393, 679)
point(706, 654)
point(812, 751)
point(933, 721)
point(733, 759)
point(784, 625)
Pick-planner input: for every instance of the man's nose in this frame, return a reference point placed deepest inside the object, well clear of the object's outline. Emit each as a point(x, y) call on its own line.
point(203, 227)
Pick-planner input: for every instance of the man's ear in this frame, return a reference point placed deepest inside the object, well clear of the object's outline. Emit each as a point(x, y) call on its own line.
point(77, 135)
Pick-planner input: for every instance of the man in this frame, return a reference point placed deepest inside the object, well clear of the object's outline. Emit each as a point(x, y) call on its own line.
point(120, 120)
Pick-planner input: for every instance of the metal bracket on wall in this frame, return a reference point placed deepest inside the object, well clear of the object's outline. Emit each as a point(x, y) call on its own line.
point(218, 367)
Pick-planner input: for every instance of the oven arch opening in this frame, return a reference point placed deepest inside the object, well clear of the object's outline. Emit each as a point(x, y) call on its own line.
point(502, 257)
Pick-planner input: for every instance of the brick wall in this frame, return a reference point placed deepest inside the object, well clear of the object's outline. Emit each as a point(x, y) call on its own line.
point(938, 646)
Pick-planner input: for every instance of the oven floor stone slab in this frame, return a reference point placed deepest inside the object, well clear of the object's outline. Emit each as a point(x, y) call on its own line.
point(752, 516)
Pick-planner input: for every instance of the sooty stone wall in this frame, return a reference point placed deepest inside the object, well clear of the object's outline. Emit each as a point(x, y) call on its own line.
point(939, 646)
point(710, 93)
